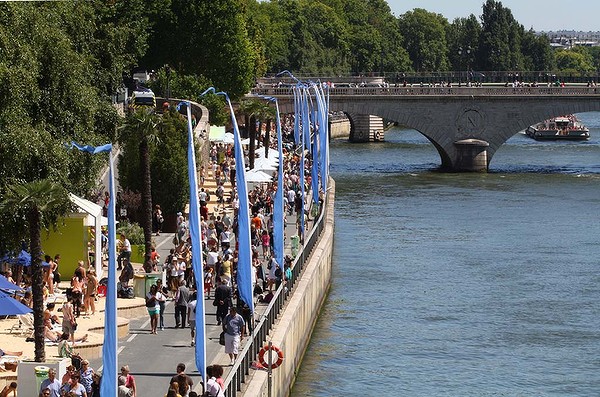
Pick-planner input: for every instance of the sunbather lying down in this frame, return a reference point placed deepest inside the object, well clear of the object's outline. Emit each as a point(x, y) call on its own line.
point(7, 353)
point(58, 336)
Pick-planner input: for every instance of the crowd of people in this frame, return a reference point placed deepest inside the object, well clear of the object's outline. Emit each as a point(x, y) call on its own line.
point(219, 228)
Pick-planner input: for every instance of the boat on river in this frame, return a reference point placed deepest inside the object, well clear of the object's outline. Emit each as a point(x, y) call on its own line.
point(567, 128)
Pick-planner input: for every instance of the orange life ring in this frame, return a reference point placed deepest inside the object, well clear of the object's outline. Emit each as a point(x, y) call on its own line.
point(265, 349)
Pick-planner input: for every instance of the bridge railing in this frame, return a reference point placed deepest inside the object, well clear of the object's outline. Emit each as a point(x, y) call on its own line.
point(441, 91)
point(454, 76)
point(258, 336)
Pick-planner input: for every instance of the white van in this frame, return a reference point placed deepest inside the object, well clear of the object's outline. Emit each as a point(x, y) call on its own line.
point(142, 98)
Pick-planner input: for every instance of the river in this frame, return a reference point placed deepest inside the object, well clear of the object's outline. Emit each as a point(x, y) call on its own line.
point(461, 284)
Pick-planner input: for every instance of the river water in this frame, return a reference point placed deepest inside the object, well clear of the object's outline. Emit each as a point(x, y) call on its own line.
point(461, 284)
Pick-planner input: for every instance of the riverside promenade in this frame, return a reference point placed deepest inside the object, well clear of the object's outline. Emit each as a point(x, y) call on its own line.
point(152, 358)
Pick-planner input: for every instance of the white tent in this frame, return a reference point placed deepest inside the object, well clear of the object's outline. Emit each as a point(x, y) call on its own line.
point(228, 138)
point(257, 176)
point(94, 219)
point(217, 133)
point(265, 164)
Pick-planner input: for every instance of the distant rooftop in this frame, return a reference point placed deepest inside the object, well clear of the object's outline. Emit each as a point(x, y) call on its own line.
point(572, 38)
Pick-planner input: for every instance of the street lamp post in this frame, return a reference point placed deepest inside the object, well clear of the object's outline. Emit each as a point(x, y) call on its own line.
point(466, 52)
point(168, 73)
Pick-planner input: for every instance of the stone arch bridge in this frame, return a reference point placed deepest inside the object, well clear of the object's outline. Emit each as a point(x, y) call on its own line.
point(466, 125)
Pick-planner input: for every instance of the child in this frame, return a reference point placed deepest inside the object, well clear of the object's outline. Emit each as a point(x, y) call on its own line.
point(266, 241)
point(208, 276)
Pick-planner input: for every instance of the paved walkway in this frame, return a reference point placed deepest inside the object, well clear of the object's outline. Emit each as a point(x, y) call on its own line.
point(152, 358)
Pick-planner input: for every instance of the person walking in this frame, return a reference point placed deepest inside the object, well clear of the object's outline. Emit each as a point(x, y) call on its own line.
point(86, 375)
point(183, 380)
point(234, 327)
point(153, 308)
point(69, 323)
point(222, 300)
point(182, 297)
point(125, 249)
point(191, 314)
point(77, 287)
point(129, 380)
point(74, 388)
point(91, 289)
point(213, 388)
point(161, 296)
point(123, 391)
point(157, 220)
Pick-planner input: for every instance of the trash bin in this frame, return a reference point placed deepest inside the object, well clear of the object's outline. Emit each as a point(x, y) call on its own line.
point(41, 374)
point(150, 281)
point(295, 244)
point(139, 286)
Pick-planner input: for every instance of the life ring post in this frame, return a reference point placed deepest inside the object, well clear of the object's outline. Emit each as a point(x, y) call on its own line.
point(270, 362)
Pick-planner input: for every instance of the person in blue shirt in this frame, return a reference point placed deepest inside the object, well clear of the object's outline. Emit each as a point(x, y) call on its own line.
point(51, 384)
point(233, 326)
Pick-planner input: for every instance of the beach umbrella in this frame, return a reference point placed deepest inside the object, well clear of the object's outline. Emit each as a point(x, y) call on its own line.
point(7, 285)
point(24, 258)
point(10, 306)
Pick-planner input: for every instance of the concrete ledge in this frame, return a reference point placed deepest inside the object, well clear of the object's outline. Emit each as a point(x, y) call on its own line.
point(293, 330)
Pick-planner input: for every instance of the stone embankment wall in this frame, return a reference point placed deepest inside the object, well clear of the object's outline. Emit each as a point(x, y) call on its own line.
point(293, 331)
point(339, 129)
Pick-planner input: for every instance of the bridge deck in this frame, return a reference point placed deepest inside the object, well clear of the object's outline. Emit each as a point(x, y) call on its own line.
point(484, 91)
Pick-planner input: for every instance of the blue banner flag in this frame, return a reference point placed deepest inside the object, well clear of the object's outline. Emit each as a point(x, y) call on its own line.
point(323, 134)
point(108, 385)
point(244, 268)
point(196, 239)
point(314, 171)
point(296, 115)
point(302, 196)
point(278, 206)
point(306, 120)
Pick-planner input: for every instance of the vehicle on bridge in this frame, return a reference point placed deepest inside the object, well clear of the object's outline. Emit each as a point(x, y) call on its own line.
point(567, 128)
point(142, 98)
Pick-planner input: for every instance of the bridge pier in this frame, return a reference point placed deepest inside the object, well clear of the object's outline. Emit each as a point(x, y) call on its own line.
point(366, 128)
point(471, 155)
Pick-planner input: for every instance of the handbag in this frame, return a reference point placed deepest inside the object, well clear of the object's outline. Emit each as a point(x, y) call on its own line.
point(222, 339)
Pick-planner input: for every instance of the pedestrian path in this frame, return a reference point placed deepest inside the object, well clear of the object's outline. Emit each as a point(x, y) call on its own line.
point(152, 358)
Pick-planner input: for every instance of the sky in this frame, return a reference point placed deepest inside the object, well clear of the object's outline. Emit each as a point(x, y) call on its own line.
point(541, 15)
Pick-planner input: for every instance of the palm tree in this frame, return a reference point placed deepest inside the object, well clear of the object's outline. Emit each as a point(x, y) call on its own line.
point(268, 113)
point(40, 203)
point(254, 109)
point(142, 125)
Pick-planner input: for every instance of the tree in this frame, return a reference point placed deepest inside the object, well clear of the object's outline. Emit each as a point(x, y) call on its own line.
point(251, 108)
point(37, 204)
point(500, 41)
point(141, 127)
point(59, 64)
point(537, 52)
point(574, 61)
point(190, 87)
point(425, 39)
point(462, 36)
point(207, 38)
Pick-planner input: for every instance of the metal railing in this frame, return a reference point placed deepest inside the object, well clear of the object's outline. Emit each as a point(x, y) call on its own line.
point(237, 376)
point(408, 91)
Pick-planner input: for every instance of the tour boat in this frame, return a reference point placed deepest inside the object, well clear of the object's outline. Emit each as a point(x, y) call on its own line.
point(559, 128)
